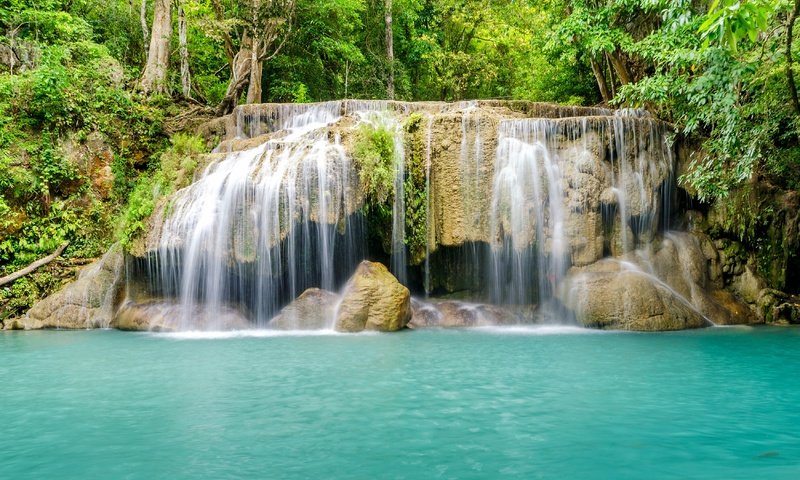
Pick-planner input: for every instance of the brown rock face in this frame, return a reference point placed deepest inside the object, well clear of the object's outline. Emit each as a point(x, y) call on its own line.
point(86, 303)
point(165, 316)
point(628, 300)
point(373, 299)
point(456, 314)
point(314, 309)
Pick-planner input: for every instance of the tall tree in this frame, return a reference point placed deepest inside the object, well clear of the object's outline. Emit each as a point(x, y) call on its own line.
point(143, 20)
point(267, 26)
point(186, 79)
point(789, 72)
point(154, 78)
point(389, 48)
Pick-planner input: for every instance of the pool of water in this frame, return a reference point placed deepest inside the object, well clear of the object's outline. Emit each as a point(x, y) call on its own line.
point(484, 403)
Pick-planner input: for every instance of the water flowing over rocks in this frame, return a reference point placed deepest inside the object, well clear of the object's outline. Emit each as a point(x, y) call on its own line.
point(89, 302)
point(629, 300)
point(373, 300)
point(159, 316)
point(314, 309)
point(458, 314)
point(522, 211)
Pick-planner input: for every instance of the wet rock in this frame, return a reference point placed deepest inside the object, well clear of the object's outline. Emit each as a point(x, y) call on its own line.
point(86, 303)
point(627, 300)
point(163, 316)
point(455, 314)
point(723, 308)
point(776, 307)
point(314, 309)
point(748, 284)
point(373, 299)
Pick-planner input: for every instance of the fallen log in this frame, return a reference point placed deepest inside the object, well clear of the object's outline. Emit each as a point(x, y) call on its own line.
point(33, 266)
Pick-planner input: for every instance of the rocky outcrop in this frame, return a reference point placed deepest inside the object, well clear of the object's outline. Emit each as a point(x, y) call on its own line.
point(457, 314)
point(608, 296)
point(88, 302)
point(737, 272)
point(162, 316)
point(314, 309)
point(373, 299)
point(776, 307)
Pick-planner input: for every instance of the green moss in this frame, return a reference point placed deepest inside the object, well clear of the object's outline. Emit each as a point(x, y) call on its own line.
point(175, 171)
point(374, 154)
point(414, 189)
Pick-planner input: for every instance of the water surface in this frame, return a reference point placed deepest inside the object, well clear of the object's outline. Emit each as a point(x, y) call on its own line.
point(483, 403)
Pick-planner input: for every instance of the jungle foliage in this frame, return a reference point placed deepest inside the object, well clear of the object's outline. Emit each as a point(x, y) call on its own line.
point(81, 137)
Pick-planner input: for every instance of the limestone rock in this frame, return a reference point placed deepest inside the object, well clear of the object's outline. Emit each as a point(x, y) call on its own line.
point(723, 308)
point(166, 316)
point(627, 300)
point(314, 309)
point(373, 299)
point(86, 303)
point(776, 307)
point(748, 285)
point(456, 314)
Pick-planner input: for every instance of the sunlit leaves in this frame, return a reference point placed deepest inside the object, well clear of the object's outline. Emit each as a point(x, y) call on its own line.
point(729, 22)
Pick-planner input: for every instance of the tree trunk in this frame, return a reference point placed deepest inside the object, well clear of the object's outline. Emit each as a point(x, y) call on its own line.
point(601, 80)
point(154, 78)
point(240, 76)
point(789, 71)
point(254, 86)
point(389, 48)
point(143, 20)
point(620, 67)
point(33, 266)
point(186, 76)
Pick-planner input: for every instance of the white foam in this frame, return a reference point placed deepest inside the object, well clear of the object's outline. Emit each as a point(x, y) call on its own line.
point(254, 333)
point(539, 330)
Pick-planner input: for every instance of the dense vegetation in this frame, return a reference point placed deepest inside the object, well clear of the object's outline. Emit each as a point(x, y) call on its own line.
point(90, 90)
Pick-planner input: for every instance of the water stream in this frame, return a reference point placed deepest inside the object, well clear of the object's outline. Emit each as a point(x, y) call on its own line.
point(522, 201)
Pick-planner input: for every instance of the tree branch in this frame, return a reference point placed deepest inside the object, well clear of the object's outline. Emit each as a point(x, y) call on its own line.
point(227, 40)
point(33, 266)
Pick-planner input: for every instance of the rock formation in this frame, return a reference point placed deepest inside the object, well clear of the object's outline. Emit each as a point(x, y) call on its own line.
point(314, 309)
point(507, 205)
point(89, 302)
point(373, 300)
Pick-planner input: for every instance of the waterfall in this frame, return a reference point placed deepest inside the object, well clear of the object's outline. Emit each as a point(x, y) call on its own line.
point(428, 213)
point(261, 225)
point(550, 177)
point(516, 194)
point(527, 219)
point(377, 115)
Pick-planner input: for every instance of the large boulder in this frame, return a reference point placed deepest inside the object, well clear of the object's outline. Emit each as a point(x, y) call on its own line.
point(683, 262)
point(457, 314)
point(314, 309)
point(373, 299)
point(86, 303)
point(164, 316)
point(609, 297)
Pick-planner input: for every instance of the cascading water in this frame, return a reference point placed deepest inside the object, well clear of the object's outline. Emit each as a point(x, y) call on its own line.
point(384, 119)
point(527, 218)
point(429, 234)
point(549, 178)
point(518, 201)
point(261, 225)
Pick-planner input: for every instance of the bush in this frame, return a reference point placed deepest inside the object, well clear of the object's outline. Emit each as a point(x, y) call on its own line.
point(373, 152)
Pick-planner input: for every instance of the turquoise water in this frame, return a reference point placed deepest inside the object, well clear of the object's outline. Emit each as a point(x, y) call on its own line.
point(558, 403)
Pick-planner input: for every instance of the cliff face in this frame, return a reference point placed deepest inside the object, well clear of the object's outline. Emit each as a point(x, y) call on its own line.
point(512, 203)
